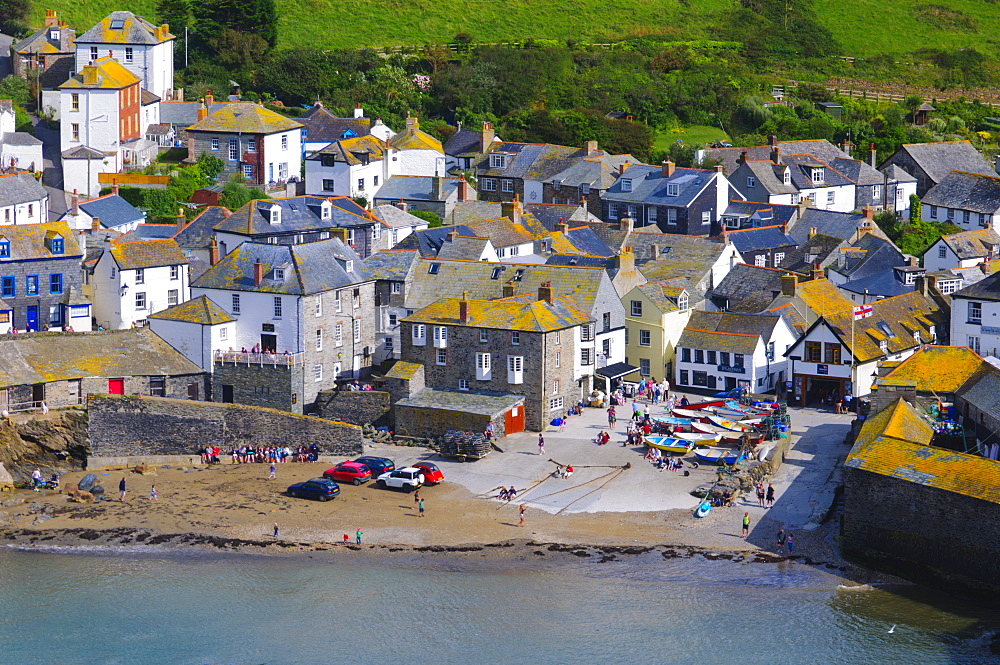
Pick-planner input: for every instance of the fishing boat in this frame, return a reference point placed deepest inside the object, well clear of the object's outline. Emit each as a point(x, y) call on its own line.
point(732, 414)
point(671, 420)
point(691, 415)
point(669, 444)
point(703, 509)
point(717, 455)
point(729, 436)
point(730, 425)
point(699, 437)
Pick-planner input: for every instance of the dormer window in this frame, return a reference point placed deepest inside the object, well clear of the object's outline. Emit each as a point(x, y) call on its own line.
point(58, 246)
point(626, 184)
point(883, 346)
point(682, 302)
point(54, 35)
point(673, 190)
point(786, 177)
point(817, 175)
point(276, 214)
point(4, 248)
point(349, 266)
point(279, 274)
point(497, 161)
point(325, 210)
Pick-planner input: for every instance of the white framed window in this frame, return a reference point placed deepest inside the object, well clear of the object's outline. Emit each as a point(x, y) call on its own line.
point(484, 368)
point(376, 232)
point(786, 177)
point(672, 216)
point(396, 287)
point(175, 272)
point(973, 343)
point(338, 334)
point(555, 386)
point(393, 320)
point(140, 276)
point(515, 369)
point(484, 337)
point(556, 404)
point(515, 338)
point(140, 300)
point(682, 303)
point(337, 304)
point(818, 175)
point(317, 372)
point(319, 339)
point(328, 185)
point(706, 217)
point(751, 182)
point(129, 55)
point(876, 192)
point(586, 357)
point(613, 212)
point(215, 143)
point(234, 150)
point(223, 333)
point(357, 330)
point(760, 260)
point(235, 309)
point(93, 53)
point(284, 141)
point(626, 184)
point(673, 189)
point(558, 337)
point(318, 307)
point(172, 295)
point(975, 312)
point(933, 212)
point(419, 334)
point(558, 358)
point(778, 258)
point(441, 356)
point(636, 308)
point(440, 337)
point(831, 197)
point(283, 170)
point(496, 161)
point(644, 338)
point(507, 185)
point(488, 184)
point(388, 343)
point(248, 171)
point(279, 274)
point(277, 307)
point(651, 215)
point(463, 384)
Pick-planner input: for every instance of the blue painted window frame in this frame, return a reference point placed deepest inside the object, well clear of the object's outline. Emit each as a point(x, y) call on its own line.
point(56, 282)
point(8, 287)
point(5, 249)
point(58, 246)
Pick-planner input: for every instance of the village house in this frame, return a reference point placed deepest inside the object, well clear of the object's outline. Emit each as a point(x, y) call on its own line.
point(197, 328)
point(527, 346)
point(962, 250)
point(144, 49)
point(765, 246)
point(450, 242)
point(655, 316)
point(320, 128)
point(674, 200)
point(466, 146)
point(46, 56)
point(975, 316)
point(967, 200)
point(753, 214)
point(399, 222)
point(60, 370)
point(520, 170)
point(197, 239)
point(259, 144)
point(393, 271)
point(40, 278)
point(110, 211)
point(930, 163)
point(747, 289)
point(23, 200)
point(586, 181)
point(19, 151)
point(133, 280)
point(722, 351)
point(872, 268)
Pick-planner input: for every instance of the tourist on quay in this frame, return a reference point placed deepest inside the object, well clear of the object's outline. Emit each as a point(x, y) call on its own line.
point(746, 525)
point(420, 507)
point(789, 540)
point(848, 402)
point(665, 386)
point(684, 402)
point(770, 495)
point(612, 416)
point(416, 498)
point(488, 433)
point(347, 539)
point(153, 494)
point(645, 414)
point(357, 536)
point(636, 411)
point(541, 444)
point(781, 541)
point(520, 513)
point(121, 489)
point(760, 493)
point(275, 529)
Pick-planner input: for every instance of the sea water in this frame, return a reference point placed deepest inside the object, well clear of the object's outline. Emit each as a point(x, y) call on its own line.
point(187, 607)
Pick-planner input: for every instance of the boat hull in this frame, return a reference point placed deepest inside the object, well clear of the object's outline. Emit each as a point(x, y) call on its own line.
point(668, 444)
point(717, 455)
point(699, 437)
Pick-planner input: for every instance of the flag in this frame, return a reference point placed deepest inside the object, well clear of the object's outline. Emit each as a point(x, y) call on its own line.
point(862, 312)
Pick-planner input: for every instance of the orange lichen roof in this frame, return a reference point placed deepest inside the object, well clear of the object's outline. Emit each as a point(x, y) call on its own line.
point(197, 310)
point(822, 297)
point(147, 254)
point(403, 370)
point(894, 442)
point(104, 73)
point(536, 316)
point(941, 369)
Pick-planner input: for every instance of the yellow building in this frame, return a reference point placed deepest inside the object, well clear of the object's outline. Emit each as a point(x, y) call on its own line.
point(655, 316)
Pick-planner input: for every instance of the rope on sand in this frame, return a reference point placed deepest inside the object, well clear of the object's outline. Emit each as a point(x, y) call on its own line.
point(616, 474)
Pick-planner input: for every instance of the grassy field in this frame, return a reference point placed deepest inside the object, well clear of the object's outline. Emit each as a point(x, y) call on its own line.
point(695, 134)
point(864, 27)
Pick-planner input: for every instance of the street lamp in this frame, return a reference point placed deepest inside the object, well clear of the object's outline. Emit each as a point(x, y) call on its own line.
point(792, 374)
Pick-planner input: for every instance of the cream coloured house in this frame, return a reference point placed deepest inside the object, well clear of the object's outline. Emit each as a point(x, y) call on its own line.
point(655, 316)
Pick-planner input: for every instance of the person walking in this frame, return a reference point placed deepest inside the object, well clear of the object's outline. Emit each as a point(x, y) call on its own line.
point(153, 494)
point(273, 471)
point(612, 417)
point(36, 478)
point(121, 489)
point(760, 493)
point(357, 536)
point(421, 507)
point(416, 498)
point(781, 541)
point(541, 444)
point(746, 525)
point(275, 529)
point(790, 541)
point(770, 495)
point(520, 513)
point(636, 411)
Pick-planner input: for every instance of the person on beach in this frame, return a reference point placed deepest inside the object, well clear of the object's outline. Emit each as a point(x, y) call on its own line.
point(746, 525)
point(636, 411)
point(770, 495)
point(612, 417)
point(273, 470)
point(511, 493)
point(36, 478)
point(121, 489)
point(781, 541)
point(503, 493)
point(357, 536)
point(420, 508)
point(416, 498)
point(275, 529)
point(347, 539)
point(153, 494)
point(684, 402)
point(789, 540)
point(760, 493)
point(541, 444)
point(520, 513)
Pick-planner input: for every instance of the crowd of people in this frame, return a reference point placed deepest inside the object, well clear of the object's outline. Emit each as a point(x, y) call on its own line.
point(262, 454)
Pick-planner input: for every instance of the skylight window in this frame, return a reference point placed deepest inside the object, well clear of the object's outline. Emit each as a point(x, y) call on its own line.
point(518, 275)
point(117, 24)
point(884, 327)
point(433, 268)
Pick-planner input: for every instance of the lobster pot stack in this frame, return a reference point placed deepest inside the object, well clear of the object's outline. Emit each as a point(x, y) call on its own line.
point(464, 445)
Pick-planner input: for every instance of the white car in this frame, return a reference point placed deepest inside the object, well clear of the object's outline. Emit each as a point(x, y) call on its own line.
point(407, 479)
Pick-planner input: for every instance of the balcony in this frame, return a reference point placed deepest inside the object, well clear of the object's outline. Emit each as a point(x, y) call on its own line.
point(261, 359)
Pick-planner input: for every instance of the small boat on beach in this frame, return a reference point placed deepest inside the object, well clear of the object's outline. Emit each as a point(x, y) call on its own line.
point(703, 509)
point(729, 436)
point(728, 424)
point(732, 414)
point(699, 437)
point(690, 415)
point(671, 420)
point(669, 444)
point(717, 455)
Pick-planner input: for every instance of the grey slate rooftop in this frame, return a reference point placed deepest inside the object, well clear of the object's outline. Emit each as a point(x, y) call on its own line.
point(113, 211)
point(966, 191)
point(939, 159)
point(762, 238)
point(748, 289)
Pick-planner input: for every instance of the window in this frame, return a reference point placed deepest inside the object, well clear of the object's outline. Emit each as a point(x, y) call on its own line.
point(75, 101)
point(951, 214)
point(786, 177)
point(710, 357)
point(248, 171)
point(388, 343)
point(558, 337)
point(376, 230)
point(140, 300)
point(440, 337)
point(699, 378)
point(74, 129)
point(463, 384)
point(93, 53)
point(393, 320)
point(760, 260)
point(817, 175)
point(175, 272)
point(433, 268)
point(682, 302)
point(587, 332)
point(883, 346)
point(737, 360)
point(643, 338)
point(723, 357)
point(140, 276)
point(158, 386)
point(751, 182)
point(337, 303)
point(361, 184)
point(215, 143)
point(338, 334)
point(876, 192)
point(770, 351)
point(506, 185)
point(626, 184)
point(56, 283)
point(636, 308)
point(496, 161)
point(778, 258)
point(4, 248)
point(251, 145)
point(586, 357)
point(975, 312)
point(172, 297)
point(830, 197)
point(606, 321)
point(483, 337)
point(129, 55)
point(277, 308)
point(556, 403)
point(279, 274)
point(223, 333)
point(317, 372)
point(812, 352)
point(613, 211)
point(235, 309)
point(949, 287)
point(284, 141)
point(234, 150)
point(441, 357)
point(327, 185)
point(651, 215)
point(683, 379)
point(699, 356)
point(973, 343)
point(831, 353)
point(644, 366)
point(319, 339)
point(933, 212)
point(558, 358)
point(484, 369)
point(515, 369)
point(488, 184)
point(555, 385)
point(673, 189)
point(686, 355)
point(357, 330)
point(671, 216)
point(965, 216)
point(706, 217)
point(31, 285)
point(515, 338)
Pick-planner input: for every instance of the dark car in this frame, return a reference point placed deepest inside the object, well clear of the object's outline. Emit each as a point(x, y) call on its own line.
point(320, 489)
point(378, 465)
point(432, 474)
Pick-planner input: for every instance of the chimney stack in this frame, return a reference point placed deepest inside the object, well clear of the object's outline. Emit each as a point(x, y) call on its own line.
point(772, 140)
point(463, 308)
point(74, 203)
point(923, 285)
point(114, 186)
point(358, 111)
point(742, 159)
point(51, 19)
point(508, 290)
point(452, 235)
point(868, 212)
point(412, 123)
point(181, 219)
point(871, 155)
point(986, 267)
point(561, 226)
point(627, 224)
point(718, 168)
point(213, 252)
point(812, 231)
point(95, 224)
point(545, 292)
point(486, 140)
point(258, 273)
point(846, 146)
point(625, 260)
point(463, 190)
point(512, 209)
point(402, 205)
point(654, 252)
point(437, 191)
point(202, 112)
point(590, 147)
point(667, 168)
point(817, 272)
point(788, 285)
point(776, 154)
point(209, 99)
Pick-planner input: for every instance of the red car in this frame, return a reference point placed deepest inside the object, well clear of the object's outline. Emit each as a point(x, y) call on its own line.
point(349, 472)
point(432, 474)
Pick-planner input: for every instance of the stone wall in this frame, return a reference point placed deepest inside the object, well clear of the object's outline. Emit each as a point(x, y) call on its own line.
point(412, 421)
point(922, 533)
point(132, 426)
point(359, 407)
point(267, 386)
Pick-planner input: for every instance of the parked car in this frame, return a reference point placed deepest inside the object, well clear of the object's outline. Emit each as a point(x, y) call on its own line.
point(432, 474)
point(321, 489)
point(378, 465)
point(349, 472)
point(407, 479)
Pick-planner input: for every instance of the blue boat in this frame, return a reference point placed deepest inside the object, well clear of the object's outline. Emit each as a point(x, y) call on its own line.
point(718, 455)
point(671, 420)
point(703, 509)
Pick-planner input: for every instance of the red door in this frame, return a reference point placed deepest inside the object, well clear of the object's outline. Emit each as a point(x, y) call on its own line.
point(513, 420)
point(116, 386)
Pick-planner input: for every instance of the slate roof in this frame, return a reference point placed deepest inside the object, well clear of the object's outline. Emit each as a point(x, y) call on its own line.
point(868, 256)
point(197, 310)
point(841, 225)
point(966, 191)
point(550, 214)
point(680, 256)
point(391, 264)
point(536, 316)
point(762, 214)
point(47, 357)
point(939, 159)
point(20, 188)
point(464, 401)
point(473, 211)
point(748, 289)
point(393, 217)
point(585, 241)
point(430, 241)
point(198, 233)
point(19, 138)
point(896, 445)
point(800, 259)
point(30, 241)
point(149, 232)
point(321, 125)
point(760, 238)
point(598, 171)
point(298, 214)
point(771, 176)
point(416, 188)
point(649, 185)
point(940, 369)
point(502, 232)
point(350, 151)
point(105, 73)
point(987, 288)
point(895, 172)
point(982, 390)
point(662, 294)
point(309, 268)
point(531, 161)
point(185, 113)
point(726, 331)
point(464, 247)
point(83, 152)
point(134, 30)
point(147, 254)
point(39, 41)
point(973, 244)
point(113, 211)
point(817, 149)
point(245, 118)
point(403, 370)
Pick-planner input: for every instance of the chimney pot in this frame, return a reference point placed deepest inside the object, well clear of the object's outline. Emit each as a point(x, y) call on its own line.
point(718, 168)
point(667, 168)
point(95, 224)
point(114, 186)
point(358, 111)
point(868, 212)
point(209, 99)
point(561, 226)
point(258, 273)
point(463, 190)
point(75, 203)
point(743, 157)
point(545, 292)
point(772, 140)
point(213, 252)
point(872, 155)
point(817, 272)
point(402, 205)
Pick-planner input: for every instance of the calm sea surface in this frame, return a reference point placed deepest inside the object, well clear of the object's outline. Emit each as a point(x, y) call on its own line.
point(202, 609)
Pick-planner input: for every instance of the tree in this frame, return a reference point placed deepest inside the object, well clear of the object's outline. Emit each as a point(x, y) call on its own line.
point(912, 103)
point(14, 15)
point(175, 13)
point(15, 89)
point(211, 166)
point(235, 195)
point(239, 50)
point(187, 180)
point(432, 218)
point(259, 17)
point(914, 208)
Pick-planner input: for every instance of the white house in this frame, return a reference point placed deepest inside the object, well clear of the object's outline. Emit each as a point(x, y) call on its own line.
point(975, 316)
point(790, 179)
point(320, 128)
point(144, 49)
point(839, 354)
point(18, 150)
point(23, 200)
point(968, 200)
point(962, 250)
point(110, 211)
point(197, 328)
point(133, 280)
